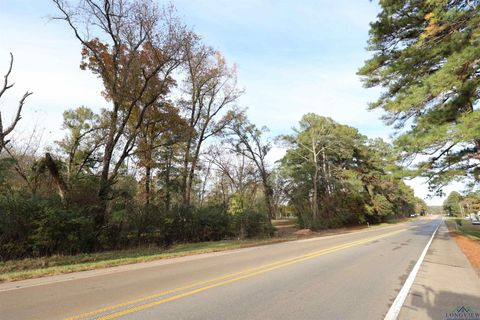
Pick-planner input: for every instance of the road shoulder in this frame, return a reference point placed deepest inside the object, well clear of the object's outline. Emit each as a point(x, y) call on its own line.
point(445, 282)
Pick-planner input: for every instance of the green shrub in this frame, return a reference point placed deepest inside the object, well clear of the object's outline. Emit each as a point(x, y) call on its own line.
point(38, 226)
point(212, 223)
point(250, 224)
point(17, 215)
point(57, 230)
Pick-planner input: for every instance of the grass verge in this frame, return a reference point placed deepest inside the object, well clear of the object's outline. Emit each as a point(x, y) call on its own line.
point(465, 228)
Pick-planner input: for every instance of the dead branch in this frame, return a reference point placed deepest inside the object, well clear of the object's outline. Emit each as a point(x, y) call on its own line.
point(6, 86)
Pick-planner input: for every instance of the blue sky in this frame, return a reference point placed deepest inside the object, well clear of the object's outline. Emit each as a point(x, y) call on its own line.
point(293, 57)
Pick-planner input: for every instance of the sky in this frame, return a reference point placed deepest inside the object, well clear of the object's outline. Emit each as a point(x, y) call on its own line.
point(292, 57)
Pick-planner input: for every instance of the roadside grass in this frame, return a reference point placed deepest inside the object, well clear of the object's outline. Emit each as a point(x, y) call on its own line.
point(12, 270)
point(471, 230)
point(466, 227)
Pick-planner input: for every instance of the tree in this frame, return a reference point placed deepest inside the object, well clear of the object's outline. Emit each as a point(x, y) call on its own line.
point(232, 174)
point(163, 127)
point(342, 175)
point(452, 205)
point(133, 47)
point(471, 202)
point(248, 140)
point(169, 164)
point(421, 207)
point(375, 171)
point(23, 159)
point(313, 150)
point(209, 104)
point(5, 131)
point(426, 58)
point(82, 143)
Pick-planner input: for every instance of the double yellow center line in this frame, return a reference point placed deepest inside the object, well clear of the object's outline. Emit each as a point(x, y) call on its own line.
point(217, 282)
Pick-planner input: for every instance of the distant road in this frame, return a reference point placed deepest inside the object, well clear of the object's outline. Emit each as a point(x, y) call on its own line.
point(348, 276)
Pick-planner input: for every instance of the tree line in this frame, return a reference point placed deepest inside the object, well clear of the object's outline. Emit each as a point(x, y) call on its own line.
point(173, 157)
point(457, 205)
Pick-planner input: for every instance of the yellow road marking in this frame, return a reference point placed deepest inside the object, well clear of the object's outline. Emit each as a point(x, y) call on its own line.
point(247, 273)
point(196, 284)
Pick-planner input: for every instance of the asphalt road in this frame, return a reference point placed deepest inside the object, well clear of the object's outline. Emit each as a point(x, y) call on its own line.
point(348, 276)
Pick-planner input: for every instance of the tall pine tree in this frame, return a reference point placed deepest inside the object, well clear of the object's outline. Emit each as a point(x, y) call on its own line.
point(427, 60)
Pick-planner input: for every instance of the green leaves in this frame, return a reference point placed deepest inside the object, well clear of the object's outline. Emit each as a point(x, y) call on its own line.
point(427, 60)
point(346, 177)
point(452, 204)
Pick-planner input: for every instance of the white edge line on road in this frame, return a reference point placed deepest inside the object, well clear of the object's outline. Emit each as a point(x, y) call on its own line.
point(394, 310)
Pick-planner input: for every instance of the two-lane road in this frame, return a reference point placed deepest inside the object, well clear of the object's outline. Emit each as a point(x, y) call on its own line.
point(349, 276)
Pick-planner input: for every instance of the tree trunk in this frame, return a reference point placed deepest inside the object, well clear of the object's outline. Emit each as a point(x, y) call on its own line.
point(167, 179)
point(193, 167)
point(185, 173)
point(204, 184)
point(148, 181)
point(325, 173)
point(315, 181)
point(57, 178)
point(189, 186)
point(315, 194)
point(268, 194)
point(104, 183)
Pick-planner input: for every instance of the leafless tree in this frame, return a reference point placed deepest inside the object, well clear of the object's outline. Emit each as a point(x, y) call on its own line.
point(249, 141)
point(236, 167)
point(24, 149)
point(5, 131)
point(211, 92)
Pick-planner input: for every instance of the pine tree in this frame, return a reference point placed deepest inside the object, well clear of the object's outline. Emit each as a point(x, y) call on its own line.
point(427, 60)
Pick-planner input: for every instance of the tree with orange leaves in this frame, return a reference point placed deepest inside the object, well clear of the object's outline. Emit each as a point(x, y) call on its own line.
point(133, 47)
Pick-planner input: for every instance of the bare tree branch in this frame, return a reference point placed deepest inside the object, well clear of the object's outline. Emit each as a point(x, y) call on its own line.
point(5, 132)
